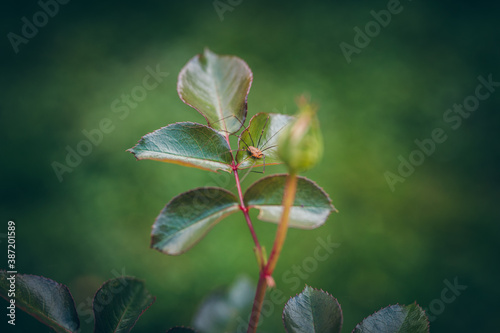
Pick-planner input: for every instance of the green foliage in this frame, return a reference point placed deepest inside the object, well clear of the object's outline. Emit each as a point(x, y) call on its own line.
point(129, 301)
point(217, 86)
point(189, 216)
point(262, 133)
point(312, 311)
point(396, 318)
point(46, 300)
point(120, 302)
point(311, 207)
point(188, 144)
point(316, 311)
point(117, 305)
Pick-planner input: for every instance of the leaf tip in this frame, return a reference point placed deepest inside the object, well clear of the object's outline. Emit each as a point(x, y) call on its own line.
point(132, 151)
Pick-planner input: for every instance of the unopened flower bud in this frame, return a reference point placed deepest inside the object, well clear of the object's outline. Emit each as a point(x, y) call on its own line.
point(300, 146)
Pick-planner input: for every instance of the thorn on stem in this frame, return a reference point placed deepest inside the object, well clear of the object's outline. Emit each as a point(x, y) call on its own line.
point(270, 281)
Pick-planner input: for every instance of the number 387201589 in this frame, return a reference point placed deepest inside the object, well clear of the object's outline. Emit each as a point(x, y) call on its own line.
point(11, 234)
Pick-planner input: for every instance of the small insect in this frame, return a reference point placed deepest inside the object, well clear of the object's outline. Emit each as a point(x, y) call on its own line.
point(255, 151)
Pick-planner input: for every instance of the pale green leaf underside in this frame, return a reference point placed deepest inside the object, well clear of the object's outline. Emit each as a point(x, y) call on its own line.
point(262, 133)
point(302, 218)
point(312, 311)
point(188, 144)
point(217, 86)
point(311, 207)
point(43, 298)
point(119, 303)
point(395, 319)
point(189, 216)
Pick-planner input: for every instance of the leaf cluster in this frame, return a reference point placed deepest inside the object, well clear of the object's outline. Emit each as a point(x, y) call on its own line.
point(119, 303)
point(217, 87)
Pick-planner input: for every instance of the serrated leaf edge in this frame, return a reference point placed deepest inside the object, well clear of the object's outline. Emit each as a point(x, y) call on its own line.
point(37, 317)
point(117, 278)
point(388, 306)
point(321, 290)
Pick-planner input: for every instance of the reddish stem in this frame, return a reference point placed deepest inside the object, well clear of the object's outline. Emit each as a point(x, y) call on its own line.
point(266, 268)
point(266, 273)
point(257, 302)
point(244, 209)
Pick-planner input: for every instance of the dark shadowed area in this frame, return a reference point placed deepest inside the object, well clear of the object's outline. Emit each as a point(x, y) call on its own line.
point(409, 109)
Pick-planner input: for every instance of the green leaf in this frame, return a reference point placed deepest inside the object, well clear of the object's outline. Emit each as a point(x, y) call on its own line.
point(217, 87)
point(45, 299)
point(313, 311)
point(222, 310)
point(310, 210)
point(119, 303)
point(181, 330)
point(188, 144)
point(395, 319)
point(262, 133)
point(189, 216)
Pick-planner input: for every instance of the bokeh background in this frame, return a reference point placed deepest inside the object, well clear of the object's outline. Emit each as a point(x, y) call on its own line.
point(395, 246)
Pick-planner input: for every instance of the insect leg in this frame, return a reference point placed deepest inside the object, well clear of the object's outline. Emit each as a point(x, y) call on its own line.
point(262, 133)
point(211, 124)
point(246, 174)
point(246, 129)
point(263, 150)
point(272, 136)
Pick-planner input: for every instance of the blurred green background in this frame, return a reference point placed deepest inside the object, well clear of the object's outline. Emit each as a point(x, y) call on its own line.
point(396, 246)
